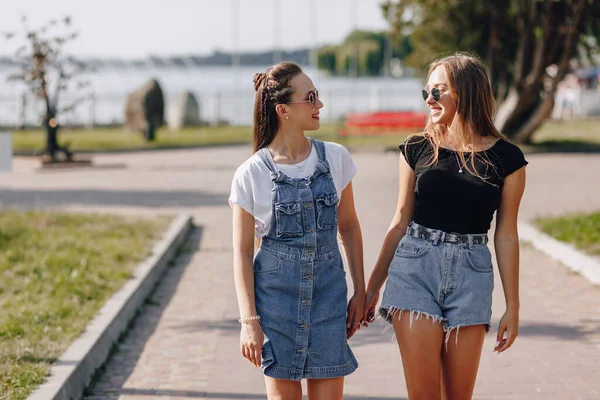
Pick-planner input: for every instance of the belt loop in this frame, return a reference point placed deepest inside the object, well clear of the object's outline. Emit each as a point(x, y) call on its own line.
point(470, 240)
point(442, 236)
point(436, 237)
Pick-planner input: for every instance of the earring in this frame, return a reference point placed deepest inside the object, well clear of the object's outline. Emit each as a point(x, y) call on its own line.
point(287, 117)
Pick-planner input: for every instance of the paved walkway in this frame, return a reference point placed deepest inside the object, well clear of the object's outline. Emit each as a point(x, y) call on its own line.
point(184, 345)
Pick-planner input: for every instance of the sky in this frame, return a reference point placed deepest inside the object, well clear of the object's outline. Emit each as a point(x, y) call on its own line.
point(136, 28)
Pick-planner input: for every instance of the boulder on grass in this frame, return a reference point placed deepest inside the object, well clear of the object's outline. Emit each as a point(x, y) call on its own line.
point(184, 111)
point(145, 109)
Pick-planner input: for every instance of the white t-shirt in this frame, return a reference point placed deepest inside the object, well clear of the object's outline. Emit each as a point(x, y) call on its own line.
point(251, 186)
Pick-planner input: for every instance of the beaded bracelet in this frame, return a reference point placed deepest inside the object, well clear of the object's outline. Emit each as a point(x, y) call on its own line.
point(247, 320)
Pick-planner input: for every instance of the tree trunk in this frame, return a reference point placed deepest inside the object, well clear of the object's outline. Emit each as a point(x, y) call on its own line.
point(542, 112)
point(525, 109)
point(51, 136)
point(52, 149)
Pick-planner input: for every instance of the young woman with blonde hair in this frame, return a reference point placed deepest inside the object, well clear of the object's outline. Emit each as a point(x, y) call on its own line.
point(452, 178)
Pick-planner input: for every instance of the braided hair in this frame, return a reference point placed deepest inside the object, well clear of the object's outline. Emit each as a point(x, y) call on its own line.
point(272, 87)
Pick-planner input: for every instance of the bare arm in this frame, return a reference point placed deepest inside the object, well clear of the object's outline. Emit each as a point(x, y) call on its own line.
point(351, 236)
point(506, 243)
point(243, 275)
point(397, 229)
point(243, 254)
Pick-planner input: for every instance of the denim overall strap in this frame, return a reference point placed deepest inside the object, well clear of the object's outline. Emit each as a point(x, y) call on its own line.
point(265, 156)
point(322, 165)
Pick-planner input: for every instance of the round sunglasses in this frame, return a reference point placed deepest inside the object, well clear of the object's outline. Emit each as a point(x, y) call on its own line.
point(313, 96)
point(435, 94)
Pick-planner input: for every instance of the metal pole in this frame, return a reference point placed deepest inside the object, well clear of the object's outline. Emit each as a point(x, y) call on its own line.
point(354, 57)
point(314, 52)
point(235, 57)
point(21, 110)
point(387, 59)
point(277, 57)
point(92, 105)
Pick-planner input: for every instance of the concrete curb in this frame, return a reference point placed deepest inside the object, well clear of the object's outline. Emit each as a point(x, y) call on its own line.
point(565, 253)
point(72, 373)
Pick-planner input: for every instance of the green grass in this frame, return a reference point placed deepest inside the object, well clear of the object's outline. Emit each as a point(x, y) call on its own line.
point(574, 135)
point(57, 270)
point(570, 135)
point(582, 230)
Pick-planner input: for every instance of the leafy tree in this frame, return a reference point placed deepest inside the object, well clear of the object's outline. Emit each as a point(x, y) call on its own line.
point(369, 48)
point(528, 46)
point(48, 72)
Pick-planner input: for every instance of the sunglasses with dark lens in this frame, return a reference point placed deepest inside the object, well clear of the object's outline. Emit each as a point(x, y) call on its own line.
point(313, 96)
point(435, 94)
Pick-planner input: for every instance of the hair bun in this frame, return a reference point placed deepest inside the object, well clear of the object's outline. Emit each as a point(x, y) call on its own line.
point(259, 79)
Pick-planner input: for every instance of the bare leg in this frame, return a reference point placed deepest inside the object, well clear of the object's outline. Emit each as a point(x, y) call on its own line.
point(420, 347)
point(325, 389)
point(461, 362)
point(280, 389)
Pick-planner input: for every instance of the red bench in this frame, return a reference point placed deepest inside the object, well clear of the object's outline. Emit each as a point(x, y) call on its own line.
point(381, 123)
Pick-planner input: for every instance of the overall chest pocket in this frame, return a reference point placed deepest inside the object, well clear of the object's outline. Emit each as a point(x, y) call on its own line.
point(288, 218)
point(326, 211)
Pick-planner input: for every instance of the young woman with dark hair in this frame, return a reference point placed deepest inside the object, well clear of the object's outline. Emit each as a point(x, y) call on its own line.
point(295, 196)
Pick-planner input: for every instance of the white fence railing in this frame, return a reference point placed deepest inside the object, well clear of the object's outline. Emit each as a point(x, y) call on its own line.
point(234, 107)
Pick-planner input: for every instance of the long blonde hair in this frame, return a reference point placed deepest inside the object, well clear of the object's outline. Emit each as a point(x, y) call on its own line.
point(471, 89)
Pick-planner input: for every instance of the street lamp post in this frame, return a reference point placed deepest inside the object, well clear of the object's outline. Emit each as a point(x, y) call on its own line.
point(354, 51)
point(277, 57)
point(235, 56)
point(314, 51)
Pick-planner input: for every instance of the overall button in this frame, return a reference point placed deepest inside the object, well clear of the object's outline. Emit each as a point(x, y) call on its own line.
point(306, 302)
point(309, 277)
point(308, 205)
point(310, 254)
point(311, 230)
point(304, 326)
point(301, 350)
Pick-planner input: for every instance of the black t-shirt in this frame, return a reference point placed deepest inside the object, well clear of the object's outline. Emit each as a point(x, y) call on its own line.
point(459, 202)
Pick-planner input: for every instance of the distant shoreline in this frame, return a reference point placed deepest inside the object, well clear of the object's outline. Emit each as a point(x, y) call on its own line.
point(217, 59)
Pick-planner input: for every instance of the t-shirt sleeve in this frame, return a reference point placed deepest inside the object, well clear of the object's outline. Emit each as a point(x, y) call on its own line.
point(411, 148)
point(241, 190)
point(342, 166)
point(348, 167)
point(515, 161)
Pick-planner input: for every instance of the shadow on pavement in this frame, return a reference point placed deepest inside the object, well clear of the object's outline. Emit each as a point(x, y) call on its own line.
point(225, 396)
point(227, 326)
point(380, 331)
point(127, 352)
point(138, 198)
point(563, 146)
point(560, 331)
point(377, 332)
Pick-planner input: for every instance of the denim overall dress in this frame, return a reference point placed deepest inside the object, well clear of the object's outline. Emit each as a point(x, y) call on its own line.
point(299, 279)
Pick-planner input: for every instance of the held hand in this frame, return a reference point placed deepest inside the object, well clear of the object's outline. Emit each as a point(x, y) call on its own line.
point(355, 314)
point(508, 329)
point(251, 340)
point(371, 300)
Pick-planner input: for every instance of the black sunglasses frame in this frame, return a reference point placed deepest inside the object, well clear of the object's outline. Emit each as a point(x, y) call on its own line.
point(435, 94)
